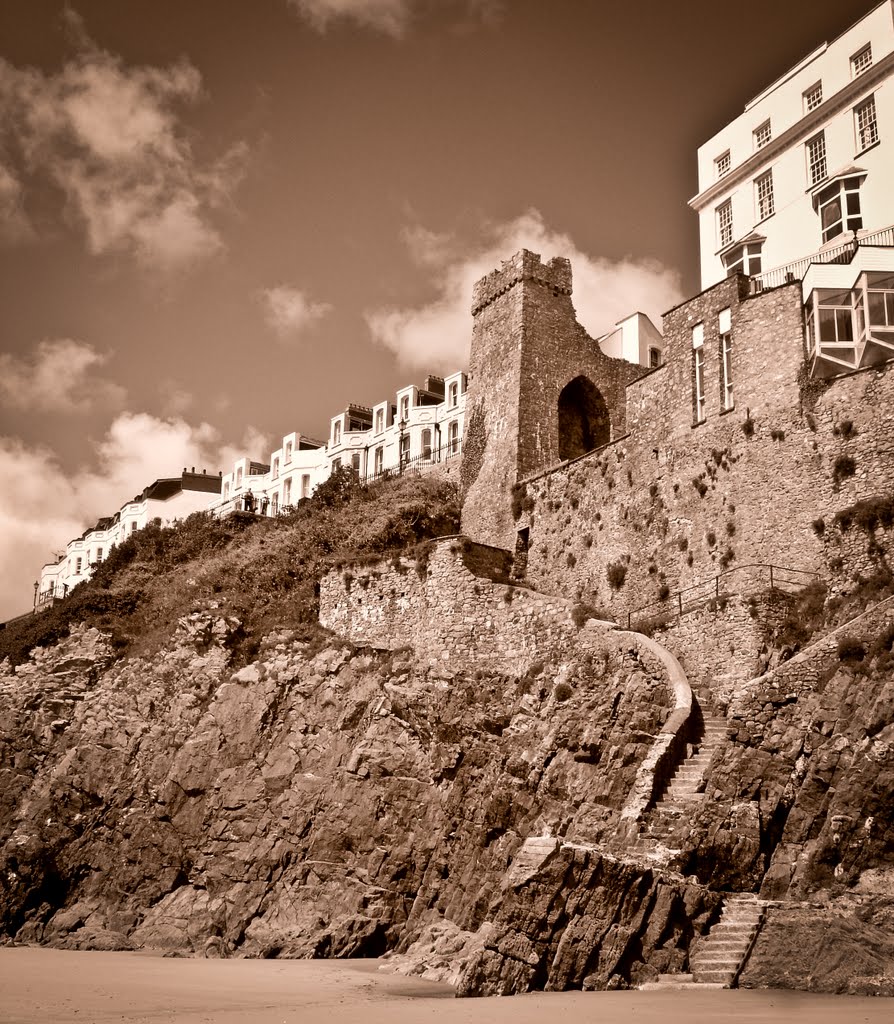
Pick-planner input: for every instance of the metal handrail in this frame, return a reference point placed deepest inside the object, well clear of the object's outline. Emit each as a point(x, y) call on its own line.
point(681, 605)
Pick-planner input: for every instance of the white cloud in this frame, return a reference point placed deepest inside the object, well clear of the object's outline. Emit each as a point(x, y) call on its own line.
point(14, 223)
point(111, 138)
point(436, 336)
point(60, 377)
point(42, 507)
point(391, 17)
point(289, 311)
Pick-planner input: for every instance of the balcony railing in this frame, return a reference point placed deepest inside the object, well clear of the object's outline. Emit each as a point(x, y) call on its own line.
point(419, 463)
point(843, 253)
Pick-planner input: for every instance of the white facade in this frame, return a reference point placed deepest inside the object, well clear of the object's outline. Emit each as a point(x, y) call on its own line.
point(166, 500)
point(636, 339)
point(809, 162)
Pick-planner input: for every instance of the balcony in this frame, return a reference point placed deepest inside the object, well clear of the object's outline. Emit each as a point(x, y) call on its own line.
point(842, 253)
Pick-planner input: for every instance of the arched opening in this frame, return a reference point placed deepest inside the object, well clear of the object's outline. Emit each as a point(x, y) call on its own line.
point(584, 422)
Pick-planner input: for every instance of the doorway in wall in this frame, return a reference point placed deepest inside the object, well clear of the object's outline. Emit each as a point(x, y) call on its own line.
point(584, 422)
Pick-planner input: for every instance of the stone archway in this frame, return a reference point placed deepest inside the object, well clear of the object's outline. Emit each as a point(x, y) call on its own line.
point(584, 422)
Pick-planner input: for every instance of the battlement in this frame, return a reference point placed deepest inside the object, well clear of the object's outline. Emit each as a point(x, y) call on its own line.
point(523, 266)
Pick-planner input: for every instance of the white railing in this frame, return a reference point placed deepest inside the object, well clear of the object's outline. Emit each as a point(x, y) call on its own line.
point(843, 253)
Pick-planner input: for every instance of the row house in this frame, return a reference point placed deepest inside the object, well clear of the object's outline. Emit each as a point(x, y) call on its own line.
point(799, 188)
point(165, 500)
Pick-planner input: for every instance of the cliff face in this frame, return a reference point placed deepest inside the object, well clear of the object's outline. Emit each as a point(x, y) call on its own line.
point(333, 801)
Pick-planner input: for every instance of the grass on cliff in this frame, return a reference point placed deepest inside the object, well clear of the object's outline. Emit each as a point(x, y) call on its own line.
point(265, 571)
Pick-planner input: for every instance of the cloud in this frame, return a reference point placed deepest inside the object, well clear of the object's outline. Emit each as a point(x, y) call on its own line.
point(289, 311)
point(14, 223)
point(59, 378)
point(46, 507)
point(391, 17)
point(110, 138)
point(436, 336)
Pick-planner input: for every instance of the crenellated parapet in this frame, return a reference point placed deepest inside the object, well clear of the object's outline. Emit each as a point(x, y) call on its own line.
point(524, 266)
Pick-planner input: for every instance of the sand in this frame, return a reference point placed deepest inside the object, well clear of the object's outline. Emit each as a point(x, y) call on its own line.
point(51, 986)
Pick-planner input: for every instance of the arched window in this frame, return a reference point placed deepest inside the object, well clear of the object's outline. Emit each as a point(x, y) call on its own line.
point(426, 444)
point(584, 422)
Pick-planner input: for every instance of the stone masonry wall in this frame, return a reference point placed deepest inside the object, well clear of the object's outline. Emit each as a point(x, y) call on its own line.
point(526, 347)
point(672, 505)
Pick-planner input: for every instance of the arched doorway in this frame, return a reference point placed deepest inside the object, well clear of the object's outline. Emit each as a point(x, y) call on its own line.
point(584, 423)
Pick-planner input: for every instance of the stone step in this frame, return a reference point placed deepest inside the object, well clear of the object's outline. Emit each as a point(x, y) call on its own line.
point(714, 961)
point(722, 979)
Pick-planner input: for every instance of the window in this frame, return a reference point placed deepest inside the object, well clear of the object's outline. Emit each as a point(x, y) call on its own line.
point(725, 223)
point(379, 460)
point(763, 190)
point(816, 158)
point(288, 452)
point(880, 294)
point(698, 367)
point(722, 164)
point(405, 407)
point(380, 420)
point(745, 259)
point(274, 504)
point(726, 359)
point(226, 490)
point(404, 448)
point(654, 357)
point(861, 61)
point(453, 395)
point(287, 491)
point(813, 97)
point(238, 478)
point(762, 135)
point(453, 438)
point(275, 472)
point(133, 527)
point(839, 208)
point(78, 567)
point(426, 443)
point(336, 432)
point(355, 463)
point(866, 124)
point(305, 485)
point(99, 554)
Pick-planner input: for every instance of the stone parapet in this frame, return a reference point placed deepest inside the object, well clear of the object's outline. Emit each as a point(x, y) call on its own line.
point(523, 266)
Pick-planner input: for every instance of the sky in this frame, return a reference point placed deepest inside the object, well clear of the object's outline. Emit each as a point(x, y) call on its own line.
point(223, 220)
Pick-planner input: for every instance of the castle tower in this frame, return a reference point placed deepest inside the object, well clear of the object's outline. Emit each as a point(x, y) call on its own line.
point(540, 391)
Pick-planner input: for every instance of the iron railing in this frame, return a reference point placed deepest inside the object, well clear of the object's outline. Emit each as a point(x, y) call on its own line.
point(676, 604)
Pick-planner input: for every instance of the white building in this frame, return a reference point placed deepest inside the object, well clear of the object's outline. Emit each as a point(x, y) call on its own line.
point(636, 339)
point(804, 177)
point(166, 500)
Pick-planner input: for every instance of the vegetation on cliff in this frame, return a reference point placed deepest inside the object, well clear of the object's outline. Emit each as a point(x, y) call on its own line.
point(265, 571)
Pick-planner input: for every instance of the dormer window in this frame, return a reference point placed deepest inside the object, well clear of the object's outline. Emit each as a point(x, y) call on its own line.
point(453, 395)
point(289, 451)
point(380, 420)
point(762, 135)
point(336, 432)
point(275, 472)
point(744, 259)
point(722, 164)
point(405, 407)
point(861, 61)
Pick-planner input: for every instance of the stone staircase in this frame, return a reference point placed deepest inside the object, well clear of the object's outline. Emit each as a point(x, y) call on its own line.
point(720, 956)
point(685, 788)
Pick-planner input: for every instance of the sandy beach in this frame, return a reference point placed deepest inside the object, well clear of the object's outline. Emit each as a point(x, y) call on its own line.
point(55, 986)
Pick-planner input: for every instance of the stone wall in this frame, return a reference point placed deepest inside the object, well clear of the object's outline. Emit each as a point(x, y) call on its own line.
point(526, 347)
point(672, 504)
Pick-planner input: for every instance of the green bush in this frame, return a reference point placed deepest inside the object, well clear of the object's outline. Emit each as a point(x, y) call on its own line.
point(616, 573)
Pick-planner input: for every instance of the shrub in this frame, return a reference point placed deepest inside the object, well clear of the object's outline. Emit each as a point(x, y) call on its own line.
point(843, 467)
point(819, 526)
point(653, 490)
point(588, 540)
point(777, 435)
point(844, 428)
point(562, 691)
point(571, 560)
point(700, 486)
point(850, 649)
point(730, 529)
point(711, 538)
point(683, 543)
point(663, 592)
point(582, 613)
point(518, 496)
point(748, 425)
point(616, 573)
